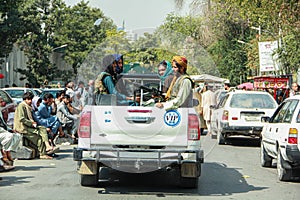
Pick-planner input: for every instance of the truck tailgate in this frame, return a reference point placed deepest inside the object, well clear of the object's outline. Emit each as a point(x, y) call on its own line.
point(149, 126)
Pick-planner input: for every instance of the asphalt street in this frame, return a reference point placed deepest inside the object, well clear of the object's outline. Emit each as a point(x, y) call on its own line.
point(230, 171)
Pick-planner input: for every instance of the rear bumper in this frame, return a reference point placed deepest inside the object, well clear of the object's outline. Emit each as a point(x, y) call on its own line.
point(137, 160)
point(241, 130)
point(293, 154)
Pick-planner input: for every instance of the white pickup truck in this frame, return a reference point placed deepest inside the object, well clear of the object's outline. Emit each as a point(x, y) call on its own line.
point(139, 139)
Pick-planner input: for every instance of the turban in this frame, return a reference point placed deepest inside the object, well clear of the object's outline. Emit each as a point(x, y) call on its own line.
point(182, 61)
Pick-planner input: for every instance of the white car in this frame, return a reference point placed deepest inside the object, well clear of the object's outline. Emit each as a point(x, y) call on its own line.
point(16, 93)
point(239, 113)
point(280, 139)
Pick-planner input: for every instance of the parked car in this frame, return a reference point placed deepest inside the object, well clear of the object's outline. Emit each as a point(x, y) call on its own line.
point(8, 108)
point(38, 91)
point(239, 113)
point(53, 91)
point(280, 139)
point(16, 93)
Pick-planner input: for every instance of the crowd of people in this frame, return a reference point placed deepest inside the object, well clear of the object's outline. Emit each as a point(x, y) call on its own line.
point(39, 121)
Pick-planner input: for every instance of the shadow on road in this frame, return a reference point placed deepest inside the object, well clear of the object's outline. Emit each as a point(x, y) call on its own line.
point(219, 180)
point(216, 180)
point(13, 180)
point(243, 141)
point(31, 168)
point(64, 152)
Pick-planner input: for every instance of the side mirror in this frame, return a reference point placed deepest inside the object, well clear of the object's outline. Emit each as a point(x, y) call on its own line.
point(265, 119)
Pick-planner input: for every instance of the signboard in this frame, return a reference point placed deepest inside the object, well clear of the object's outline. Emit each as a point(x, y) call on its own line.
point(271, 82)
point(278, 87)
point(266, 58)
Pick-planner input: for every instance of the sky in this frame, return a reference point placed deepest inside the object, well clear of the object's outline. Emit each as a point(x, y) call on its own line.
point(136, 14)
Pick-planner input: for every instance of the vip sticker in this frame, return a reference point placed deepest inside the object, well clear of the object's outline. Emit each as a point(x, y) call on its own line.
point(172, 118)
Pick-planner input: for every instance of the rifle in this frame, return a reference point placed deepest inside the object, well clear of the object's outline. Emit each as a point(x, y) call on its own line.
point(156, 94)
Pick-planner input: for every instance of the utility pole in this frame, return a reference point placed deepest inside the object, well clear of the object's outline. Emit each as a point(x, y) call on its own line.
point(259, 35)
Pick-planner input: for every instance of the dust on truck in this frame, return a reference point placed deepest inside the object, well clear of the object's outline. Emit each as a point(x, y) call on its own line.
point(139, 139)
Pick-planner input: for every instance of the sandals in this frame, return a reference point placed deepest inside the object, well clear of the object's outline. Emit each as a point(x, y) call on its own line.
point(49, 152)
point(52, 151)
point(5, 168)
point(55, 149)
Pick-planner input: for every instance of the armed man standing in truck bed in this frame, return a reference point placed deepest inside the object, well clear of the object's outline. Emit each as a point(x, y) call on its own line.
point(180, 92)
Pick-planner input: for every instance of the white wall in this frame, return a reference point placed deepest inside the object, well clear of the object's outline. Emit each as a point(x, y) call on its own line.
point(16, 59)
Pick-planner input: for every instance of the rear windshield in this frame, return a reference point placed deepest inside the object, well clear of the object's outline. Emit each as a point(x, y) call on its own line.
point(15, 93)
point(249, 100)
point(53, 92)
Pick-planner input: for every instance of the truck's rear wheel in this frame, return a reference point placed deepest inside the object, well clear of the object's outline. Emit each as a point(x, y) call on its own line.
point(89, 180)
point(189, 182)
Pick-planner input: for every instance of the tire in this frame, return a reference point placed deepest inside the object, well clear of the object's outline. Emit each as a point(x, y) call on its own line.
point(90, 180)
point(265, 159)
point(220, 138)
point(189, 182)
point(283, 173)
point(186, 182)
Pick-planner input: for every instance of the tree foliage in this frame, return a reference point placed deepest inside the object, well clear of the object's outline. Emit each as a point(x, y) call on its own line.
point(233, 20)
point(187, 35)
point(277, 20)
point(208, 37)
point(78, 31)
point(50, 24)
point(114, 43)
point(11, 25)
point(36, 42)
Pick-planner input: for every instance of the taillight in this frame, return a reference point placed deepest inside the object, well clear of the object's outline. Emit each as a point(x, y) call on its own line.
point(293, 136)
point(84, 130)
point(193, 127)
point(225, 115)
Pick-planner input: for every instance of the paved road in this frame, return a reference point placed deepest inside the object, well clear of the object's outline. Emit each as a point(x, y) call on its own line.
point(229, 172)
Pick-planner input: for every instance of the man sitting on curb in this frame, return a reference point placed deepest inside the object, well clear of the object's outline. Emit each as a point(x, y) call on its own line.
point(68, 120)
point(8, 142)
point(24, 124)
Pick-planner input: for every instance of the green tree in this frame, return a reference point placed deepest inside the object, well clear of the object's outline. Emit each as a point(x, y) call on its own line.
point(278, 20)
point(11, 25)
point(76, 29)
point(114, 43)
point(231, 20)
point(186, 35)
point(36, 43)
point(51, 24)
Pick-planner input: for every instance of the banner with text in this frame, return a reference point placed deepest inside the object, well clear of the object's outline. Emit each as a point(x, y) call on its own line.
point(267, 61)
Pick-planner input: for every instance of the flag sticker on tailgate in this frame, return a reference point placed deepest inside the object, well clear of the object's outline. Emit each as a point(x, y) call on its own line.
point(172, 118)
